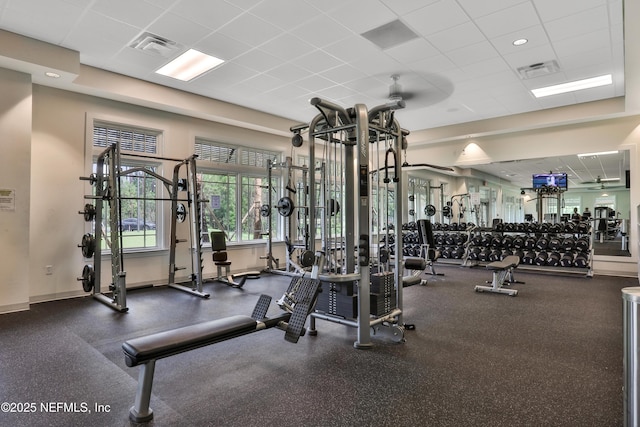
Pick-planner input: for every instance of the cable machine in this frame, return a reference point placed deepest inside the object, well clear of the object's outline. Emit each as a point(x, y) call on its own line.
point(352, 137)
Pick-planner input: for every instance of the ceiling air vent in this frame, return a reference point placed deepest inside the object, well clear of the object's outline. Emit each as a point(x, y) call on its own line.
point(390, 35)
point(154, 45)
point(538, 69)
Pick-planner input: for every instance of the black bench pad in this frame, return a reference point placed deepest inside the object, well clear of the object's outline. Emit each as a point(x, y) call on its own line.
point(163, 344)
point(508, 262)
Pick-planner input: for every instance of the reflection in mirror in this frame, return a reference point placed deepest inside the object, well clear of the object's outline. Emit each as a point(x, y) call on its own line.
point(596, 189)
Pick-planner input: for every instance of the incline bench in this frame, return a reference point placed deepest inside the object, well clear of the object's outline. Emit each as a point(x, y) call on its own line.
point(501, 271)
point(298, 301)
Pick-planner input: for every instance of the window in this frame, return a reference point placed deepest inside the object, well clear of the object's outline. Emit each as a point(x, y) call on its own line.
point(136, 140)
point(234, 179)
point(140, 211)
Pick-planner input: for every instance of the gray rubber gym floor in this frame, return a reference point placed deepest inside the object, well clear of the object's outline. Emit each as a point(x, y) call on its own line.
point(552, 356)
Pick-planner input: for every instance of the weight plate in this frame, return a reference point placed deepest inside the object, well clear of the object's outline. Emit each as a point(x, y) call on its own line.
point(307, 258)
point(429, 210)
point(181, 212)
point(88, 278)
point(89, 212)
point(265, 210)
point(285, 206)
point(88, 245)
point(334, 207)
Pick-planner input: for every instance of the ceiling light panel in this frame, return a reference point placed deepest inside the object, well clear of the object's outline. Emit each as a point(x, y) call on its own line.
point(573, 86)
point(189, 65)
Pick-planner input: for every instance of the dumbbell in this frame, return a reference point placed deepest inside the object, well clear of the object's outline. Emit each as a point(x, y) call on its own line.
point(518, 242)
point(496, 242)
point(495, 255)
point(569, 227)
point(529, 243)
point(582, 260)
point(568, 244)
point(484, 254)
point(458, 252)
point(567, 259)
point(528, 257)
point(582, 244)
point(541, 258)
point(555, 243)
point(542, 244)
point(474, 253)
point(554, 259)
point(485, 240)
point(519, 253)
point(507, 242)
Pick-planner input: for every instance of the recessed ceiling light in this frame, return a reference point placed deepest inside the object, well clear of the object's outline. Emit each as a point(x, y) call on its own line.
point(189, 65)
point(573, 86)
point(520, 42)
point(52, 74)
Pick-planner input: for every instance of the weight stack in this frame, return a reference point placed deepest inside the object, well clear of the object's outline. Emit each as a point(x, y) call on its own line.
point(382, 283)
point(382, 304)
point(383, 293)
point(338, 299)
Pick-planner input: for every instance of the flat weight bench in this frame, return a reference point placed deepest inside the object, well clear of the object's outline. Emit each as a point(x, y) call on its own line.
point(502, 272)
point(301, 297)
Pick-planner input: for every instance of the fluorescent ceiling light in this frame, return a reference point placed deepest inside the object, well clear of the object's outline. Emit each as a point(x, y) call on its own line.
point(601, 153)
point(573, 86)
point(189, 65)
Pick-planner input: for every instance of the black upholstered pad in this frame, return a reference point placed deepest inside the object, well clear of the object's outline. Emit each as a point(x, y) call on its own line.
point(163, 344)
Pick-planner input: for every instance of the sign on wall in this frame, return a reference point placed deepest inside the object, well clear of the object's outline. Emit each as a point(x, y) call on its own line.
point(7, 200)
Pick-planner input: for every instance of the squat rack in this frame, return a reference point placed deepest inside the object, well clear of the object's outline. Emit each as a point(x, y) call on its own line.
point(108, 190)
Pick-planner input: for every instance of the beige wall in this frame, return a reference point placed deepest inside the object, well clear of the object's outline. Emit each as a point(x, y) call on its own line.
point(15, 174)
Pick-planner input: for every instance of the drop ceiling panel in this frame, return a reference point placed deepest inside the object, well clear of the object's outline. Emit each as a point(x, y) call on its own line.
point(258, 60)
point(505, 21)
point(363, 15)
point(436, 17)
point(412, 51)
point(297, 12)
point(476, 8)
point(250, 30)
point(551, 10)
point(321, 31)
point(578, 24)
point(222, 46)
point(536, 36)
point(473, 53)
point(459, 36)
point(137, 14)
point(212, 14)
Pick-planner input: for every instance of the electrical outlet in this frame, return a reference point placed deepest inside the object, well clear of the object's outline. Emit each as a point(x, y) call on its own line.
point(48, 270)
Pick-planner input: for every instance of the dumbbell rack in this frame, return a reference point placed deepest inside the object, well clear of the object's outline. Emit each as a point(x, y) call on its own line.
point(544, 247)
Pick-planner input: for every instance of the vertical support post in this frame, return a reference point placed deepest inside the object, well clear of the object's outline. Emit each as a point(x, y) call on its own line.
point(362, 209)
point(631, 359)
point(196, 230)
point(140, 411)
point(173, 238)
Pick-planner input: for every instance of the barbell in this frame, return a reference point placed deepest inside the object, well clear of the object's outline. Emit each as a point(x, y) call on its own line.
point(286, 207)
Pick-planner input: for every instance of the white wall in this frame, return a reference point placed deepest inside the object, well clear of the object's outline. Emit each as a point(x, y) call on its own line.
point(15, 174)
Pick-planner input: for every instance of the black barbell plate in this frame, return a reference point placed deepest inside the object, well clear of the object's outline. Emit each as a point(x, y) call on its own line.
point(285, 206)
point(429, 210)
point(265, 210)
point(88, 245)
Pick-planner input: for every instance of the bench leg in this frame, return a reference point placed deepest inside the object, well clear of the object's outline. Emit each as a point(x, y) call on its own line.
point(496, 284)
point(140, 412)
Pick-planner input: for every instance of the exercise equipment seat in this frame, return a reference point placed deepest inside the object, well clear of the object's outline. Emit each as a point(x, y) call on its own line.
point(502, 272)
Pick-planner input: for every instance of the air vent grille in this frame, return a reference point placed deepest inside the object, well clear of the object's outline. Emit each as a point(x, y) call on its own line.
point(538, 69)
point(154, 45)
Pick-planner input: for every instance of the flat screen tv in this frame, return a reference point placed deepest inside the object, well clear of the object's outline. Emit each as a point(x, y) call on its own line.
point(542, 180)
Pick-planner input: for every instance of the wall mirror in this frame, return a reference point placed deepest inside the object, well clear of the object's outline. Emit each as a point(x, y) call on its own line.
point(596, 184)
